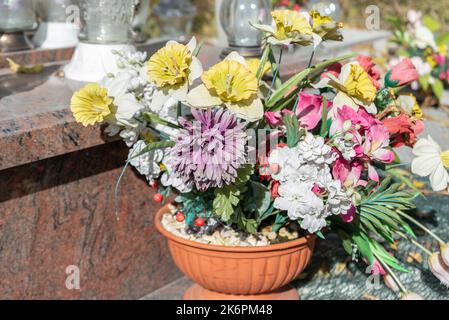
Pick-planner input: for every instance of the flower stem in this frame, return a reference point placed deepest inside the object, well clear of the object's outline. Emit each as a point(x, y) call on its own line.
point(392, 274)
point(416, 243)
point(278, 67)
point(419, 224)
point(311, 58)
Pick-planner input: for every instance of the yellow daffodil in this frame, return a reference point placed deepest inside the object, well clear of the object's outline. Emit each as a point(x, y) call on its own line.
point(408, 103)
point(172, 69)
point(108, 101)
point(253, 66)
point(326, 27)
point(354, 89)
point(290, 27)
point(91, 104)
point(232, 84)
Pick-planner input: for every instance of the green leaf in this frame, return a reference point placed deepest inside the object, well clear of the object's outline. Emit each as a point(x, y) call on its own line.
point(295, 80)
point(346, 241)
point(364, 247)
point(244, 174)
point(153, 118)
point(443, 39)
point(292, 124)
point(225, 200)
point(263, 61)
point(153, 146)
point(324, 128)
point(198, 49)
point(424, 82)
point(432, 24)
point(438, 88)
point(260, 197)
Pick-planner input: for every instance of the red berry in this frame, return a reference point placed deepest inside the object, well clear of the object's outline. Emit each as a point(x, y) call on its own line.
point(158, 198)
point(180, 217)
point(199, 222)
point(154, 185)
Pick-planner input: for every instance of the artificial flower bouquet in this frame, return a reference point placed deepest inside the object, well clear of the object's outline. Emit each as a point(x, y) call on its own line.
point(270, 162)
point(422, 41)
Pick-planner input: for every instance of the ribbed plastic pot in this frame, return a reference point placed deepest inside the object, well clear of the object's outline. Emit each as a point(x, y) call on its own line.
point(222, 272)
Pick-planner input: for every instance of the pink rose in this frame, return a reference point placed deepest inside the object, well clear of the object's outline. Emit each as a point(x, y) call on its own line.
point(402, 74)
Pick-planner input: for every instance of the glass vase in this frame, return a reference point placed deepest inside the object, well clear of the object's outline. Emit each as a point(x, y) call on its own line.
point(106, 21)
point(235, 18)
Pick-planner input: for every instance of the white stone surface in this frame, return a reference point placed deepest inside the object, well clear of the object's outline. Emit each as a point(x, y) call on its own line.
point(51, 35)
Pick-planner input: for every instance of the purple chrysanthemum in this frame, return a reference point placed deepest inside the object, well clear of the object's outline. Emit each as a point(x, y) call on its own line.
point(209, 149)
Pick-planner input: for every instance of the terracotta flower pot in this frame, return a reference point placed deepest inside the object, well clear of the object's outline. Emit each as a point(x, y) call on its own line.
point(220, 272)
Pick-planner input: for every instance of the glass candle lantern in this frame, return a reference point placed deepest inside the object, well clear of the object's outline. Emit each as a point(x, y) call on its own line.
point(53, 10)
point(330, 8)
point(16, 16)
point(175, 18)
point(235, 16)
point(106, 21)
point(56, 30)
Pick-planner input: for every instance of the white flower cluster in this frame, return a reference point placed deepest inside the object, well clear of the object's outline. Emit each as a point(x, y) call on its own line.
point(150, 164)
point(307, 190)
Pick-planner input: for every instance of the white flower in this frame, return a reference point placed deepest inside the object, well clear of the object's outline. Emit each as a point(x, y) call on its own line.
point(147, 164)
point(312, 148)
point(424, 38)
point(345, 146)
point(431, 161)
point(168, 179)
point(299, 170)
point(126, 103)
point(423, 67)
point(288, 161)
point(300, 202)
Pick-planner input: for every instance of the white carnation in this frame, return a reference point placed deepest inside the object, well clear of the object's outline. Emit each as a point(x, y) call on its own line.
point(147, 164)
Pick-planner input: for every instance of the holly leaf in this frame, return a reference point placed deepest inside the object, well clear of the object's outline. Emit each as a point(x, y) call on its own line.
point(225, 200)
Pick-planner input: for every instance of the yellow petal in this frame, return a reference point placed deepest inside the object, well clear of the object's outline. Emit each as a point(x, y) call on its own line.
point(91, 104)
point(231, 81)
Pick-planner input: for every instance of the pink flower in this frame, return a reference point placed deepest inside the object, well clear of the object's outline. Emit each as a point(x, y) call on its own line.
point(440, 59)
point(360, 117)
point(403, 130)
point(273, 118)
point(349, 216)
point(377, 268)
point(348, 173)
point(402, 74)
point(333, 69)
point(309, 110)
point(366, 62)
point(377, 140)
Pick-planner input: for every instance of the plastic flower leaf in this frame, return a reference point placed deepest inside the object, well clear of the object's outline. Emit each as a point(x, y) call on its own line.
point(91, 104)
point(290, 27)
point(355, 88)
point(172, 69)
point(326, 27)
point(232, 84)
point(431, 161)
